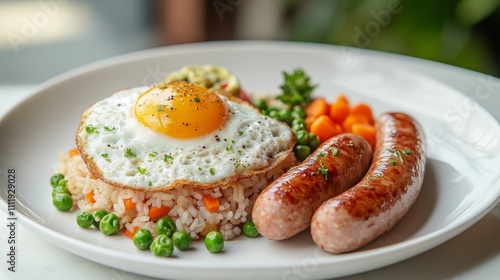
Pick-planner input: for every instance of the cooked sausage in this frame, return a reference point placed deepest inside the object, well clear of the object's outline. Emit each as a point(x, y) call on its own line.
point(386, 193)
point(286, 206)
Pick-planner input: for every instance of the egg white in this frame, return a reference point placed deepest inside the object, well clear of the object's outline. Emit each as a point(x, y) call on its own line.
point(122, 151)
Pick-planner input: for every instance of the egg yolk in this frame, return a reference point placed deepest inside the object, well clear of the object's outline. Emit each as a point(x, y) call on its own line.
point(180, 110)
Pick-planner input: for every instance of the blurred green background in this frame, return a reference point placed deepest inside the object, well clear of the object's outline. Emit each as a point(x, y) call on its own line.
point(40, 39)
point(464, 33)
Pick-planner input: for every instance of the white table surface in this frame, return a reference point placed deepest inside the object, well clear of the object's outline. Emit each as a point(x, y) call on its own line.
point(474, 254)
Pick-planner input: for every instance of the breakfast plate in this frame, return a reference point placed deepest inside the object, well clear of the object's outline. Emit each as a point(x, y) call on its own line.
point(461, 182)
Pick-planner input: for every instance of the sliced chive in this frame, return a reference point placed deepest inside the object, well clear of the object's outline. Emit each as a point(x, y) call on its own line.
point(129, 153)
point(407, 152)
point(143, 171)
point(109, 129)
point(90, 129)
point(212, 172)
point(166, 158)
point(334, 150)
point(399, 156)
point(153, 154)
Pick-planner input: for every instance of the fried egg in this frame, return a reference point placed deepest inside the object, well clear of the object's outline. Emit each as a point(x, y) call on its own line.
point(160, 137)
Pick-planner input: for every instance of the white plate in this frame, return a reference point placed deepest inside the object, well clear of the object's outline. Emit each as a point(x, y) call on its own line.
point(461, 183)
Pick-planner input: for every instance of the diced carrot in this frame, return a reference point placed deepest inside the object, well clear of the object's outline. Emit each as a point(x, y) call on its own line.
point(339, 112)
point(366, 131)
point(210, 202)
point(158, 212)
point(90, 197)
point(309, 120)
point(130, 233)
point(342, 98)
point(325, 128)
point(353, 119)
point(73, 152)
point(365, 110)
point(129, 204)
point(317, 107)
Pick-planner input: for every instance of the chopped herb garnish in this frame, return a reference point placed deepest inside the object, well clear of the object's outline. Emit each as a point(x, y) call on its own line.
point(153, 154)
point(368, 178)
point(399, 156)
point(129, 153)
point(296, 89)
point(229, 148)
point(104, 155)
point(391, 150)
point(407, 152)
point(199, 168)
point(197, 99)
point(212, 172)
point(90, 129)
point(334, 150)
point(351, 143)
point(237, 164)
point(320, 155)
point(393, 162)
point(142, 170)
point(166, 158)
point(109, 129)
point(240, 152)
point(150, 183)
point(241, 132)
point(323, 170)
point(160, 108)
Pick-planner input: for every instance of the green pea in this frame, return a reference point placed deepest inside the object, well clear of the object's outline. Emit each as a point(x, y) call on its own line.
point(214, 242)
point(62, 183)
point(181, 240)
point(285, 115)
point(165, 226)
point(298, 124)
point(302, 137)
point(84, 219)
point(109, 224)
point(142, 239)
point(55, 179)
point(98, 215)
point(313, 141)
point(260, 103)
point(274, 114)
point(162, 246)
point(301, 152)
point(62, 201)
point(298, 112)
point(249, 229)
point(59, 189)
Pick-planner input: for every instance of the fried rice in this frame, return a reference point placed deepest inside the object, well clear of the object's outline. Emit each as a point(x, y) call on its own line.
point(185, 203)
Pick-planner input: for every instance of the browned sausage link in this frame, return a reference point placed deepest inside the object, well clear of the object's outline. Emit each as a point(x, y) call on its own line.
point(372, 207)
point(286, 206)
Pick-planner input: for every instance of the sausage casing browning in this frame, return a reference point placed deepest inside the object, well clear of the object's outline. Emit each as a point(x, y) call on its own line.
point(388, 190)
point(286, 206)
